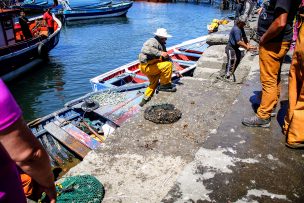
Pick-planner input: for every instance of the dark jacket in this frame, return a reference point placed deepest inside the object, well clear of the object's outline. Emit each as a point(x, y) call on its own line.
point(151, 49)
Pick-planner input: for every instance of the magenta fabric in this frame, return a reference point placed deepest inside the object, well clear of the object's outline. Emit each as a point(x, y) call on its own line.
point(10, 182)
point(297, 24)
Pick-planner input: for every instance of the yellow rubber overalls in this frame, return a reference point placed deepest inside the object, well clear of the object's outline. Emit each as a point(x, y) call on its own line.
point(156, 70)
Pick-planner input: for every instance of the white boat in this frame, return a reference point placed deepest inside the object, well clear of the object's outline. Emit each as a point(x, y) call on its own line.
point(184, 57)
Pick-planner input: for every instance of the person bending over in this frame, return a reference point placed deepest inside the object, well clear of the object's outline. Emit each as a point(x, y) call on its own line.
point(237, 39)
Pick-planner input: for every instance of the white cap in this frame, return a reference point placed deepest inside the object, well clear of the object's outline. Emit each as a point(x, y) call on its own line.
point(162, 32)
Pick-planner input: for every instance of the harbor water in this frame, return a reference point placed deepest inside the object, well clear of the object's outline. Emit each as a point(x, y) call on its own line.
point(90, 48)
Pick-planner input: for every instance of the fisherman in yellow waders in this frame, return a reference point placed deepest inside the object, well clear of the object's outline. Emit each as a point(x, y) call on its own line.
point(156, 65)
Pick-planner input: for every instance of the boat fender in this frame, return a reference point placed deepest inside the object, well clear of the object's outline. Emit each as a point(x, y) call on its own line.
point(42, 50)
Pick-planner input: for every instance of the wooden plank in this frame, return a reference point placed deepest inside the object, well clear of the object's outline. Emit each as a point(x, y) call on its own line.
point(66, 139)
point(81, 136)
point(187, 54)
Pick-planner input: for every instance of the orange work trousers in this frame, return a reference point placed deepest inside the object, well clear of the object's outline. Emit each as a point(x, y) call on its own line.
point(156, 71)
point(271, 59)
point(294, 119)
point(27, 184)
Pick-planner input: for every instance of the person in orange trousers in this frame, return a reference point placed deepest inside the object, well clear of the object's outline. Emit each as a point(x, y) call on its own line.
point(294, 120)
point(30, 187)
point(275, 27)
point(27, 184)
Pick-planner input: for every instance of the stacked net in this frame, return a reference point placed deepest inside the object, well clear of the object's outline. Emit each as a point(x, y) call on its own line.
point(78, 189)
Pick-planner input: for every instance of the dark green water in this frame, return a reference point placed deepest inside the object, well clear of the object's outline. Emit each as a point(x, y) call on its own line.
point(89, 48)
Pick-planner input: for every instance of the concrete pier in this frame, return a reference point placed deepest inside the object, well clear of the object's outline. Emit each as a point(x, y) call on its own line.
point(208, 155)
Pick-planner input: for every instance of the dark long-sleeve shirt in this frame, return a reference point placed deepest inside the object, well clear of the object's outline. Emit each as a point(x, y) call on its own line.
point(237, 34)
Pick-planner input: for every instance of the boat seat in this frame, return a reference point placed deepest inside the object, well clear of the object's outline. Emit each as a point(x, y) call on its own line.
point(184, 63)
point(187, 53)
point(124, 76)
point(117, 78)
point(141, 77)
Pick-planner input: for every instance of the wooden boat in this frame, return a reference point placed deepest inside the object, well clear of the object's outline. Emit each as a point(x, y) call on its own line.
point(184, 57)
point(70, 133)
point(111, 10)
point(18, 55)
point(65, 133)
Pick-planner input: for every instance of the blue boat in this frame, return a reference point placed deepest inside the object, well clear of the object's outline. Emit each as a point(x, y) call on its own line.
point(71, 132)
point(104, 11)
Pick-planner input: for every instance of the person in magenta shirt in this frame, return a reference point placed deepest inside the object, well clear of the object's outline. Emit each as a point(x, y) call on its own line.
point(10, 184)
point(19, 147)
point(47, 16)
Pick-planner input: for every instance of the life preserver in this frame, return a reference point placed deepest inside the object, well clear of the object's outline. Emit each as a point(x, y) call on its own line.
point(42, 50)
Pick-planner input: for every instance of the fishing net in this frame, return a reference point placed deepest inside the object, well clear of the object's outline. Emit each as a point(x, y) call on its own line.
point(162, 114)
point(79, 189)
point(85, 188)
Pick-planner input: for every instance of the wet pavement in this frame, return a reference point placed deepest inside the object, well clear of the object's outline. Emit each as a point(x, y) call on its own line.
point(206, 156)
point(243, 164)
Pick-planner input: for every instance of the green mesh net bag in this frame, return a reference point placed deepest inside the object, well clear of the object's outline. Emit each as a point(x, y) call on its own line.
point(79, 189)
